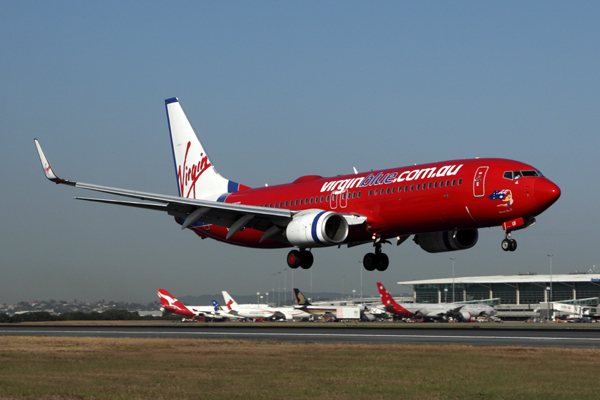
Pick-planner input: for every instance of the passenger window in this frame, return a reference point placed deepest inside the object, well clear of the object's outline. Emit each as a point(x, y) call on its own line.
point(434, 185)
point(412, 187)
point(447, 183)
point(327, 198)
point(393, 189)
point(453, 182)
point(399, 189)
point(441, 183)
point(286, 204)
point(359, 194)
point(322, 199)
point(301, 201)
point(375, 192)
point(381, 191)
point(311, 200)
point(418, 186)
point(460, 182)
point(387, 191)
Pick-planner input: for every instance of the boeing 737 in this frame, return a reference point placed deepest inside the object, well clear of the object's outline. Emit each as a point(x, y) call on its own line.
point(171, 305)
point(442, 311)
point(441, 204)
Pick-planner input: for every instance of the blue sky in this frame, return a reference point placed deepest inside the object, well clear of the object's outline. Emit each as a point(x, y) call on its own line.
point(276, 90)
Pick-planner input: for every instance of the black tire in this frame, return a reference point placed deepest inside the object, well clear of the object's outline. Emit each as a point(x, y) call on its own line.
point(294, 259)
point(506, 245)
point(370, 261)
point(384, 262)
point(513, 245)
point(307, 259)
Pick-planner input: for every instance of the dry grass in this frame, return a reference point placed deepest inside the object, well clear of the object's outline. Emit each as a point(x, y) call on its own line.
point(99, 368)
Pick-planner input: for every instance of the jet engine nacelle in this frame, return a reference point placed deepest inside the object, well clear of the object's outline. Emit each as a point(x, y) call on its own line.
point(315, 228)
point(438, 242)
point(465, 316)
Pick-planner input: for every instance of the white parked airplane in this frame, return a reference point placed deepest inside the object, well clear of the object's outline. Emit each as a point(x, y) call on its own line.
point(254, 311)
point(442, 311)
point(171, 305)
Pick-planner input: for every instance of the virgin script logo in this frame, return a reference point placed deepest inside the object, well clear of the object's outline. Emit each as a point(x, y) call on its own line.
point(188, 176)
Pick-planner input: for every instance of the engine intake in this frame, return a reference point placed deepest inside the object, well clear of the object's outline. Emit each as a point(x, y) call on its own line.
point(438, 242)
point(316, 228)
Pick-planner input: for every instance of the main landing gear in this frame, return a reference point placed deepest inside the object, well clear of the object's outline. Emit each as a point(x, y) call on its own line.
point(378, 260)
point(509, 244)
point(300, 258)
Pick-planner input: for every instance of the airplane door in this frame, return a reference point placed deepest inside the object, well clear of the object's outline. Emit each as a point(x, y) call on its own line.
point(338, 198)
point(479, 182)
point(333, 200)
point(343, 199)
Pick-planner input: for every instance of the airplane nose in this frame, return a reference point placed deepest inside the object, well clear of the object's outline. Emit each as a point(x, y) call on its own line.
point(545, 192)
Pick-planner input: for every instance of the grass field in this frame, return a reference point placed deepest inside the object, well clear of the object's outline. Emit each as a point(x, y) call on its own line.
point(104, 368)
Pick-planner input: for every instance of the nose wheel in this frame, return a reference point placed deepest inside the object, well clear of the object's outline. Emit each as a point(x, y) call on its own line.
point(509, 244)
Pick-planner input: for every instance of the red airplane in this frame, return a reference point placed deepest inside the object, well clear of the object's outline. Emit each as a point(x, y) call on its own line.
point(442, 204)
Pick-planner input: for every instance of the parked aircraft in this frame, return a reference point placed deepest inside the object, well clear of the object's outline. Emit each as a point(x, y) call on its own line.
point(368, 313)
point(254, 311)
point(302, 303)
point(443, 311)
point(171, 305)
point(443, 204)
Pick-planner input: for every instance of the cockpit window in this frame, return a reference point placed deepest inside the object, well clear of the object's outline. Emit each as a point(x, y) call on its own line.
point(514, 175)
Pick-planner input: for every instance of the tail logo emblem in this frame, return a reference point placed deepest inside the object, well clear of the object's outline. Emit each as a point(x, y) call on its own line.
point(188, 176)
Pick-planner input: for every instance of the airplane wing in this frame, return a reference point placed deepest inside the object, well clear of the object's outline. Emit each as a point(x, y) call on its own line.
point(233, 216)
point(271, 221)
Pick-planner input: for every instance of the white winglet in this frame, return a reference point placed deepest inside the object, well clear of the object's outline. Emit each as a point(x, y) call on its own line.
point(48, 168)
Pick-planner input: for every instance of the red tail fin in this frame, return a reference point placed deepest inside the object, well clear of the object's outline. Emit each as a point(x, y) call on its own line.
point(171, 304)
point(390, 304)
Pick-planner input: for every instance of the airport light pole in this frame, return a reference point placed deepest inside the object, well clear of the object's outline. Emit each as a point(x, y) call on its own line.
point(284, 289)
point(550, 256)
point(257, 295)
point(452, 278)
point(548, 302)
point(446, 295)
point(267, 298)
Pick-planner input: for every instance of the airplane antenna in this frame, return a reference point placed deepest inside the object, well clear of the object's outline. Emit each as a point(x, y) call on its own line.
point(355, 171)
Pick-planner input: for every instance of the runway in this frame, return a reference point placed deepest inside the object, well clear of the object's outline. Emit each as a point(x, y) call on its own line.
point(470, 336)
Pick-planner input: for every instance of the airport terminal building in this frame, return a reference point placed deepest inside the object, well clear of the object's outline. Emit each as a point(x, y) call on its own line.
point(516, 297)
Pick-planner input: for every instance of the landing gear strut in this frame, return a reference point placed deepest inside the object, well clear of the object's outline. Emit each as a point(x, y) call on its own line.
point(300, 258)
point(509, 244)
point(378, 260)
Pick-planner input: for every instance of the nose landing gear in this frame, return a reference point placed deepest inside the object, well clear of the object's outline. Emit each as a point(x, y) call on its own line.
point(509, 244)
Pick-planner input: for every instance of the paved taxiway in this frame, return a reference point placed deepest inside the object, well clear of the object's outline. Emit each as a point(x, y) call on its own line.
point(472, 336)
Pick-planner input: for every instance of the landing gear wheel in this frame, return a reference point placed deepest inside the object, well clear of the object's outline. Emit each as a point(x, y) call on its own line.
point(294, 259)
point(307, 259)
point(383, 263)
point(507, 245)
point(370, 261)
point(513, 244)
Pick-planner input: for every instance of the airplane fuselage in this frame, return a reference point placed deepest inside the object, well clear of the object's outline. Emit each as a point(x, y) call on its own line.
point(442, 196)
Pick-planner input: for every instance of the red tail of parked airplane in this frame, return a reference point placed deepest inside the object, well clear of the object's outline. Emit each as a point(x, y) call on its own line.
point(172, 305)
point(441, 204)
